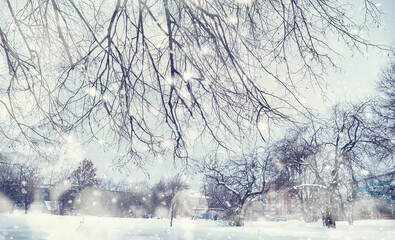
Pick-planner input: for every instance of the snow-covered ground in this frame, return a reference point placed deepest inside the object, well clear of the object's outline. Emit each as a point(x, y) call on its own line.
point(43, 226)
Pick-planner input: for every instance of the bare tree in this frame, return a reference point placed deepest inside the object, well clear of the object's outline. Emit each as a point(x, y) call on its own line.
point(174, 185)
point(84, 176)
point(234, 181)
point(19, 182)
point(386, 99)
point(359, 146)
point(296, 156)
point(141, 74)
point(342, 150)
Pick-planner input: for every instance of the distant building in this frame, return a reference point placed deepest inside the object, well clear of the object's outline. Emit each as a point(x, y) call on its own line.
point(191, 204)
point(214, 214)
point(377, 197)
point(281, 204)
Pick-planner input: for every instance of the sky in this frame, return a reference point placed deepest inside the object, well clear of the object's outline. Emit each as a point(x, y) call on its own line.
point(354, 82)
point(359, 73)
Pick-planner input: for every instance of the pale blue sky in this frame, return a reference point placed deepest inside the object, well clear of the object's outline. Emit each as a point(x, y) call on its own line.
point(356, 81)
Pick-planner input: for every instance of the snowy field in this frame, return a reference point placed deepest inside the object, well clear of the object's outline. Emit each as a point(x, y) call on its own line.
point(43, 226)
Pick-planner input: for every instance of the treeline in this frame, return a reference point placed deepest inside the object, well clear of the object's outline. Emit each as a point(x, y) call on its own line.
point(22, 187)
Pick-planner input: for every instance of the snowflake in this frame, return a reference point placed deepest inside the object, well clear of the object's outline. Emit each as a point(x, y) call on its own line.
point(170, 80)
point(204, 50)
point(167, 144)
point(185, 95)
point(101, 141)
point(91, 91)
point(232, 20)
point(365, 172)
point(104, 97)
point(187, 75)
point(160, 159)
point(262, 126)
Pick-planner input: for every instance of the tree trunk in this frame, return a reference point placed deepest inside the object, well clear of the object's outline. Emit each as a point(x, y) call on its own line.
point(172, 212)
point(350, 218)
point(237, 217)
point(350, 222)
point(351, 215)
point(26, 203)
